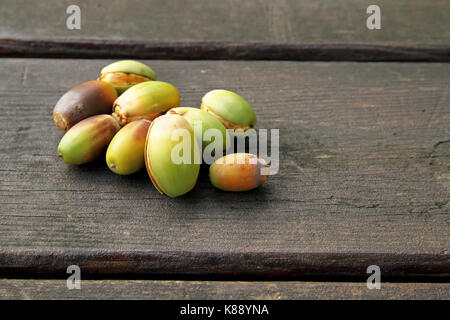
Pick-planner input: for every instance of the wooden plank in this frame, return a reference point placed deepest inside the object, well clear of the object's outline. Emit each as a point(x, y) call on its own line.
point(364, 177)
point(412, 30)
point(289, 21)
point(221, 290)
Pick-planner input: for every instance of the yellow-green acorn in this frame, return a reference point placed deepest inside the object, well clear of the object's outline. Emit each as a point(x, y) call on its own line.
point(124, 74)
point(125, 154)
point(86, 140)
point(230, 108)
point(83, 101)
point(207, 121)
point(146, 100)
point(171, 152)
point(238, 172)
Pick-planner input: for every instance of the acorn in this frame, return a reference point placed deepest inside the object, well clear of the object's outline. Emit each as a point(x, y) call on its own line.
point(206, 122)
point(124, 74)
point(172, 155)
point(238, 172)
point(86, 140)
point(83, 101)
point(125, 154)
point(146, 100)
point(230, 108)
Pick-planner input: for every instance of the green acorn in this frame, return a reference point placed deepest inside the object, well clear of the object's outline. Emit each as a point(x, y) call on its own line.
point(124, 74)
point(207, 122)
point(125, 154)
point(86, 140)
point(146, 100)
point(171, 155)
point(230, 108)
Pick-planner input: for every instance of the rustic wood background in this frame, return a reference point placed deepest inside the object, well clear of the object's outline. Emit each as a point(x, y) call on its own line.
point(364, 170)
point(288, 21)
point(365, 148)
point(412, 30)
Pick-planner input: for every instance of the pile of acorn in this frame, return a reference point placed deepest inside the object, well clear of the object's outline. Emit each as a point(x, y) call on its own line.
point(132, 115)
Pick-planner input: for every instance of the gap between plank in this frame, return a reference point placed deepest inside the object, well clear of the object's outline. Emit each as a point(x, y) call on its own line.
point(102, 264)
point(221, 50)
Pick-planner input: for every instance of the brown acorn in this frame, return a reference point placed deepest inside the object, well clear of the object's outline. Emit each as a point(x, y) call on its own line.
point(238, 172)
point(83, 101)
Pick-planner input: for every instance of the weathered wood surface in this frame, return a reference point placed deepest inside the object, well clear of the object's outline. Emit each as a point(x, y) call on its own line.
point(218, 290)
point(412, 30)
point(290, 21)
point(364, 177)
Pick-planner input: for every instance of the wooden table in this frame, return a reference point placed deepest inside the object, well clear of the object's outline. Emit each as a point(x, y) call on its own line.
point(364, 153)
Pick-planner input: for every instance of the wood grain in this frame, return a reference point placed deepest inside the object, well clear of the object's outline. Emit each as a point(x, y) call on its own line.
point(364, 177)
point(218, 290)
point(287, 21)
point(326, 30)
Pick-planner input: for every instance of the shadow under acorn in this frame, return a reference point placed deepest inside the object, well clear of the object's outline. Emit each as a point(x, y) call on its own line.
point(97, 173)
